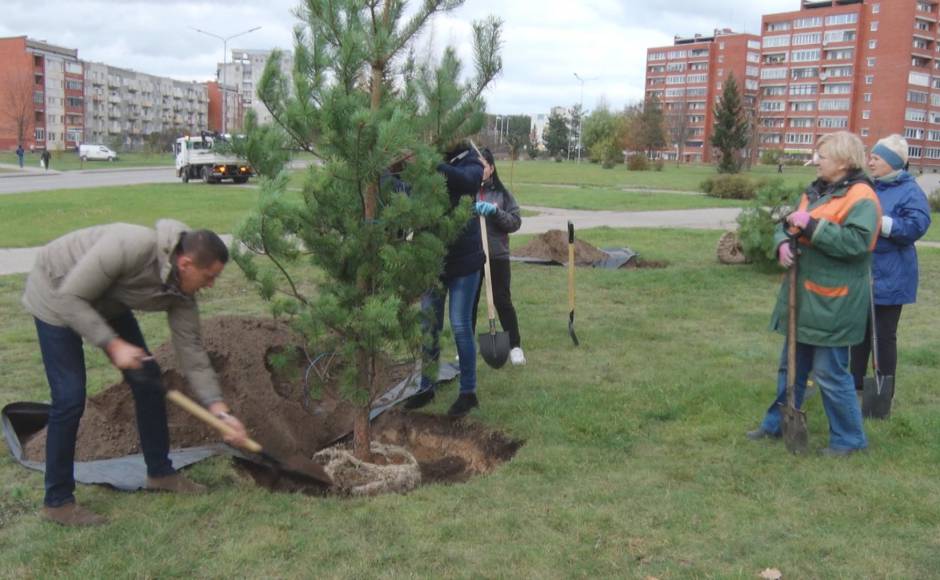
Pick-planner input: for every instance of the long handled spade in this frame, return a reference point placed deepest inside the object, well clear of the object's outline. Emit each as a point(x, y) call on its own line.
point(877, 391)
point(494, 346)
point(795, 434)
point(297, 466)
point(574, 337)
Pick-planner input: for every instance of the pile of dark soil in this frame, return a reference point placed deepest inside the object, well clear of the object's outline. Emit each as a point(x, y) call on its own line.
point(553, 245)
point(276, 406)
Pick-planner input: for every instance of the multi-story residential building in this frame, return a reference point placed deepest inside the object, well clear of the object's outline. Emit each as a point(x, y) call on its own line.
point(244, 73)
point(233, 109)
point(72, 102)
point(129, 106)
point(687, 79)
point(870, 67)
point(41, 95)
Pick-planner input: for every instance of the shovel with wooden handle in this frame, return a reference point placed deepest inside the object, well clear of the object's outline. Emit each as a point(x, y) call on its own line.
point(494, 346)
point(877, 391)
point(571, 333)
point(795, 434)
point(297, 466)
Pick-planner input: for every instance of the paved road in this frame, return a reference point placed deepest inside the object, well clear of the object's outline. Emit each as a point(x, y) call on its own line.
point(35, 181)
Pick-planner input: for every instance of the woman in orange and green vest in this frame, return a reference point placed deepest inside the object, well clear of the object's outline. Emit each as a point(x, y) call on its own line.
point(837, 224)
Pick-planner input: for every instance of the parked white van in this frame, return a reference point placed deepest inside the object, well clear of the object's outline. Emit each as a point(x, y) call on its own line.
point(96, 153)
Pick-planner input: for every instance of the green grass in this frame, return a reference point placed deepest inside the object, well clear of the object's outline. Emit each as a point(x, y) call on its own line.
point(605, 198)
point(69, 160)
point(635, 464)
point(933, 232)
point(32, 219)
point(683, 177)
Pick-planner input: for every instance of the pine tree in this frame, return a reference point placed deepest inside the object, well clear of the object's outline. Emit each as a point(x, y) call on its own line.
point(555, 135)
point(361, 104)
point(731, 127)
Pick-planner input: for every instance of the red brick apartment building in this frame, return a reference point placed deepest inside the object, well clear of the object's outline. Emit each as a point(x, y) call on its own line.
point(687, 78)
point(871, 67)
point(41, 95)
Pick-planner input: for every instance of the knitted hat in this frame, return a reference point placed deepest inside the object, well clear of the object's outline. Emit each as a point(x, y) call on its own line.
point(893, 150)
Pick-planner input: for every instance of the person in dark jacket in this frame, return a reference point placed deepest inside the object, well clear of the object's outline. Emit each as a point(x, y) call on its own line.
point(837, 225)
point(460, 278)
point(905, 219)
point(502, 218)
point(19, 154)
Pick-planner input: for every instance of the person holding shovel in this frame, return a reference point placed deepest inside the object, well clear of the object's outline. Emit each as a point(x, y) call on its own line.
point(84, 287)
point(836, 225)
point(894, 263)
point(499, 207)
point(464, 171)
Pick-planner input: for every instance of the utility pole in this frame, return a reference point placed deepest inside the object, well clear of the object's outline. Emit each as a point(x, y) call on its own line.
point(225, 40)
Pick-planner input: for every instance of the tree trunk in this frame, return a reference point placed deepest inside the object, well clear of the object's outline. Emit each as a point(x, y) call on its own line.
point(362, 435)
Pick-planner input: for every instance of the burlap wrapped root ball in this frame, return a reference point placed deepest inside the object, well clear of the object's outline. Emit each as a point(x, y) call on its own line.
point(730, 250)
point(399, 474)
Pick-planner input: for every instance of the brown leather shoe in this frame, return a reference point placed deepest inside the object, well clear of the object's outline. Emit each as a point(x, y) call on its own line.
point(72, 515)
point(175, 483)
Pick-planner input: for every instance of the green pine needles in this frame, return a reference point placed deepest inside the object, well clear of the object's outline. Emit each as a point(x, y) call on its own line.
point(374, 215)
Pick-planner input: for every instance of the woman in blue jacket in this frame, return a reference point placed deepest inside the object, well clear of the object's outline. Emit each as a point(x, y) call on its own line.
point(906, 217)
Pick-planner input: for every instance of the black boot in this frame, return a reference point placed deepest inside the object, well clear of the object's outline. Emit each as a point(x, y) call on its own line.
point(463, 405)
point(419, 400)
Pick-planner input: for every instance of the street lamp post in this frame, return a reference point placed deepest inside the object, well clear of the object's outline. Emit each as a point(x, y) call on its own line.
point(225, 40)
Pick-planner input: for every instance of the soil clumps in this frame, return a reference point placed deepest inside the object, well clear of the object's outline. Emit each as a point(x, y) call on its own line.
point(553, 245)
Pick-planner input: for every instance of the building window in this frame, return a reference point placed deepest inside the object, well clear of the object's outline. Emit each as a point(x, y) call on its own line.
point(913, 133)
point(915, 152)
point(804, 55)
point(867, 97)
point(40, 134)
point(917, 97)
point(839, 19)
point(874, 26)
point(777, 26)
point(864, 132)
point(780, 40)
point(721, 46)
point(872, 44)
point(811, 22)
point(866, 114)
point(916, 115)
point(870, 61)
point(806, 38)
point(833, 122)
point(869, 79)
point(875, 8)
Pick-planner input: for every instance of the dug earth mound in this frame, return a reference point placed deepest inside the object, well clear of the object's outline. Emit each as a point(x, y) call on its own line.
point(290, 408)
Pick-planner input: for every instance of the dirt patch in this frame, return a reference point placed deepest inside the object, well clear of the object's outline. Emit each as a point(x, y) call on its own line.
point(553, 245)
point(289, 406)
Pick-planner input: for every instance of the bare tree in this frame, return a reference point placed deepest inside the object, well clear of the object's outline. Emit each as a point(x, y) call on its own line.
point(16, 104)
point(677, 125)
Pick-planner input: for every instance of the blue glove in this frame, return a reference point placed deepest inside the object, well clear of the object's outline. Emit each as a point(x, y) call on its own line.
point(485, 208)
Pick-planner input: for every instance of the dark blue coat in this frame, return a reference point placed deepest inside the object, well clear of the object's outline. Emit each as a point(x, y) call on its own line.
point(894, 264)
point(465, 255)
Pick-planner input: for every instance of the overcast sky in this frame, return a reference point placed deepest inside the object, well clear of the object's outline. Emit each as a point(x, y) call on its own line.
point(545, 41)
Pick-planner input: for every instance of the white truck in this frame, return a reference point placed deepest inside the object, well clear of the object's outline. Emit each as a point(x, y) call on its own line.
point(196, 159)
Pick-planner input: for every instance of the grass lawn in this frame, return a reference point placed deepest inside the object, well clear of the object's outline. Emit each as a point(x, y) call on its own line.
point(69, 160)
point(634, 466)
point(605, 198)
point(683, 177)
point(31, 219)
point(933, 232)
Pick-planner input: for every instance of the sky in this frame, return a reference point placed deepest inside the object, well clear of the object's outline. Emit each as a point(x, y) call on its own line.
point(545, 42)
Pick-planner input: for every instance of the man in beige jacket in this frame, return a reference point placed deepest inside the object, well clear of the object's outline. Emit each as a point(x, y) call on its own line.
point(84, 286)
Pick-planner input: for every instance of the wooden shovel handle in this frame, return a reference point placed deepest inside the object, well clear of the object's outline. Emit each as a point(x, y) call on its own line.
point(488, 282)
point(208, 418)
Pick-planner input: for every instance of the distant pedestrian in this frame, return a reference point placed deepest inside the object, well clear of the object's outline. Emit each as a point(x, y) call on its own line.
point(780, 167)
point(19, 154)
point(45, 158)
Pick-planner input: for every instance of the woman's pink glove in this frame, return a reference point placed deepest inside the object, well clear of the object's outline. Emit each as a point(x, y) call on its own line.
point(799, 219)
point(785, 255)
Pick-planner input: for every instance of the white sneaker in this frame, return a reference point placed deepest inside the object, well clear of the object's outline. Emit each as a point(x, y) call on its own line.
point(517, 357)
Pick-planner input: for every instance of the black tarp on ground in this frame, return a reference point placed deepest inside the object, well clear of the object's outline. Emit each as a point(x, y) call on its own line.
point(615, 258)
point(129, 473)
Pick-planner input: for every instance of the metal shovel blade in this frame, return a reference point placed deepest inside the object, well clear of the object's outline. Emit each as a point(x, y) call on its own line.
point(574, 337)
point(795, 434)
point(494, 347)
point(877, 394)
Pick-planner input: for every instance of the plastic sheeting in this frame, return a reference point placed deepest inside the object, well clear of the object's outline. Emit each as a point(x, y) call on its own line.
point(129, 473)
point(615, 258)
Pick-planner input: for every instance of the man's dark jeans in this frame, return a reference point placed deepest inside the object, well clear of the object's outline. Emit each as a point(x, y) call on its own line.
point(64, 360)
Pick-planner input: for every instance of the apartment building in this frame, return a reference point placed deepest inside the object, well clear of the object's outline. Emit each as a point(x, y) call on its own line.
point(129, 106)
point(687, 79)
point(244, 72)
point(49, 98)
point(233, 109)
point(870, 67)
point(41, 95)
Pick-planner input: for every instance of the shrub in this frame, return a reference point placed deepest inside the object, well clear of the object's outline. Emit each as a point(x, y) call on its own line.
point(756, 223)
point(708, 185)
point(658, 166)
point(731, 186)
point(637, 162)
point(771, 157)
point(558, 158)
point(934, 199)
